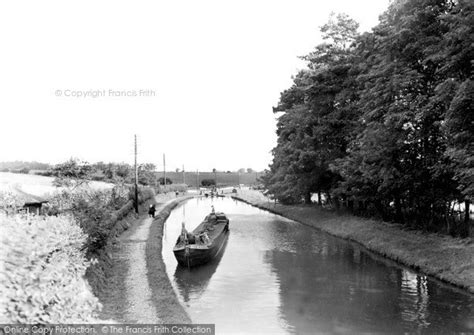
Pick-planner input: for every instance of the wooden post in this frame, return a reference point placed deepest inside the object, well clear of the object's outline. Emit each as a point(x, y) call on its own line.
point(164, 172)
point(184, 176)
point(136, 178)
point(197, 179)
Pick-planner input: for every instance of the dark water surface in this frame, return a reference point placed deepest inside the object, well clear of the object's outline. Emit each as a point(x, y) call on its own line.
point(278, 276)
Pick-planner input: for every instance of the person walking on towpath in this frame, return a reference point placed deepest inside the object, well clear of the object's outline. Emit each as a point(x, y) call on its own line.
point(151, 211)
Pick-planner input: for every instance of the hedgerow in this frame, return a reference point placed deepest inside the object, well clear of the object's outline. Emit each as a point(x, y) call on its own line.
point(172, 188)
point(42, 268)
point(44, 259)
point(96, 211)
point(92, 210)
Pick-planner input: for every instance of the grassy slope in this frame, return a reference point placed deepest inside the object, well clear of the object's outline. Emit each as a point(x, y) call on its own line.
point(168, 306)
point(446, 258)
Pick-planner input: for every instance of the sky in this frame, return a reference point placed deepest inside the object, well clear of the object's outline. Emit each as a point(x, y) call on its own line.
point(194, 79)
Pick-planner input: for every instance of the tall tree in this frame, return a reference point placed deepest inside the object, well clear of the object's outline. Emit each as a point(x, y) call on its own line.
point(72, 174)
point(312, 132)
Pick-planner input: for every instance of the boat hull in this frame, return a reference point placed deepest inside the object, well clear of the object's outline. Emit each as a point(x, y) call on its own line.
point(194, 255)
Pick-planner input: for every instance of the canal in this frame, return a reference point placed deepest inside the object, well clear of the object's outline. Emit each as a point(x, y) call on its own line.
point(278, 276)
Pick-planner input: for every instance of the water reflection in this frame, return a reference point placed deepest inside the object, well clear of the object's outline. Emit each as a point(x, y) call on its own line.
point(277, 276)
point(414, 299)
point(192, 282)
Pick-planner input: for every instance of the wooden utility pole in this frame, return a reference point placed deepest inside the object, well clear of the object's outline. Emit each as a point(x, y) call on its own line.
point(164, 172)
point(197, 179)
point(136, 178)
point(184, 176)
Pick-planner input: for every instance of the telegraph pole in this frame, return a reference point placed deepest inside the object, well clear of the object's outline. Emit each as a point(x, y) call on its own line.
point(197, 179)
point(184, 176)
point(164, 172)
point(136, 177)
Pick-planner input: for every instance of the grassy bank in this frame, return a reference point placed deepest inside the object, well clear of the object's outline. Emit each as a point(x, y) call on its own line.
point(443, 257)
point(168, 307)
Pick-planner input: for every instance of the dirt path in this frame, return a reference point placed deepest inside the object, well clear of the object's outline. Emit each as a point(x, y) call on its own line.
point(138, 284)
point(140, 307)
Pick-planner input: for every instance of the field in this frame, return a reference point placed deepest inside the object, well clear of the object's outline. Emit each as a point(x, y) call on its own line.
point(34, 184)
point(223, 178)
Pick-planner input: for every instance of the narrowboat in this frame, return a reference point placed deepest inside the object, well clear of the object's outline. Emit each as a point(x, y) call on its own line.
point(203, 243)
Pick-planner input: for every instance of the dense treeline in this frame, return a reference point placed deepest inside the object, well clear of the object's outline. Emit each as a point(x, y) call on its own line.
point(118, 173)
point(382, 122)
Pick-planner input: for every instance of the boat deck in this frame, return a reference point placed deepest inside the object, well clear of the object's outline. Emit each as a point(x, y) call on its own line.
point(208, 227)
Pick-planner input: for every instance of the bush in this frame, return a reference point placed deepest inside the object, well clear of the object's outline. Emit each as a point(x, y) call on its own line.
point(144, 193)
point(161, 181)
point(173, 188)
point(44, 173)
point(92, 209)
point(10, 203)
point(96, 210)
point(22, 170)
point(208, 182)
point(42, 279)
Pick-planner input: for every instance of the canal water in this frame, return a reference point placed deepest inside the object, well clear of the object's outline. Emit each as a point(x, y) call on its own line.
point(278, 276)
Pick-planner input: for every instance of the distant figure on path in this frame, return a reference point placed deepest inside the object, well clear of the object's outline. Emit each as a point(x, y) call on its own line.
point(151, 211)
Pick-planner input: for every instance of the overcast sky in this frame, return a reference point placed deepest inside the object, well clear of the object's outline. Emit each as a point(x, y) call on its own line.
point(202, 77)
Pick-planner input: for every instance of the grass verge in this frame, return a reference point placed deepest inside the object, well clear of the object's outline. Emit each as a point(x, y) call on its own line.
point(164, 297)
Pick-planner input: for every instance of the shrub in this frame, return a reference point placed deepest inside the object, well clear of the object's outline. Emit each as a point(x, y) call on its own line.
point(173, 188)
point(93, 211)
point(42, 279)
point(144, 193)
point(208, 182)
point(161, 181)
point(24, 170)
point(21, 171)
point(44, 173)
point(10, 203)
